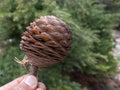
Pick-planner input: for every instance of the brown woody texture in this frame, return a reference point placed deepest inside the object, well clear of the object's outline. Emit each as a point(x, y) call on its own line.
point(46, 41)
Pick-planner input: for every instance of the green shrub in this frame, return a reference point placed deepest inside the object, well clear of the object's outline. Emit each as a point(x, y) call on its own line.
point(92, 37)
point(9, 69)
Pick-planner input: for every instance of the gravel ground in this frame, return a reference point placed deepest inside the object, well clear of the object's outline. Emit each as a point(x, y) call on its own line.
point(116, 51)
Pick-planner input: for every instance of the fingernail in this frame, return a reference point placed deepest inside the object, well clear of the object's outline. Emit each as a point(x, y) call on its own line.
point(30, 81)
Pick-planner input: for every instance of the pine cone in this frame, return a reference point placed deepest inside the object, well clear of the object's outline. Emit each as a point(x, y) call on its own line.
point(46, 41)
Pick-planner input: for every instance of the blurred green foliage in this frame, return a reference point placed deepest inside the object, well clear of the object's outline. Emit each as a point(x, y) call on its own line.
point(9, 69)
point(90, 53)
point(92, 37)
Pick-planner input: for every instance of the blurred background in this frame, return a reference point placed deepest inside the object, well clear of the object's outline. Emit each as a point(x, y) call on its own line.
point(93, 62)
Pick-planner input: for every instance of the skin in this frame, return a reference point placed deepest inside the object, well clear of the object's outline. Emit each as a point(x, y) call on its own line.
point(18, 84)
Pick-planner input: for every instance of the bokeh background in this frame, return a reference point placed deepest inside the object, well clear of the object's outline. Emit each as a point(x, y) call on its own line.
point(93, 62)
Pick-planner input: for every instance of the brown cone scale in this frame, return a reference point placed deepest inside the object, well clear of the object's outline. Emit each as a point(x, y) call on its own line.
point(46, 41)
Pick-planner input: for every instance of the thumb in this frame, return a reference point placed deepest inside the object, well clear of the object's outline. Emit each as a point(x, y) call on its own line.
point(28, 83)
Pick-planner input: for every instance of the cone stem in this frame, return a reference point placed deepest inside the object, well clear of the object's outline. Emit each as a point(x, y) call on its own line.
point(33, 70)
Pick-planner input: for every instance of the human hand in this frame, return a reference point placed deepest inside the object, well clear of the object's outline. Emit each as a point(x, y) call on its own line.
point(26, 82)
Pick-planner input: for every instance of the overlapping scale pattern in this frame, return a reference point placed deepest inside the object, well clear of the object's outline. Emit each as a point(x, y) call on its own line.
point(46, 41)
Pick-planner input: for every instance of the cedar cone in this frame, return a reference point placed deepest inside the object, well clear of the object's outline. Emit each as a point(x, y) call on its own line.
point(46, 41)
